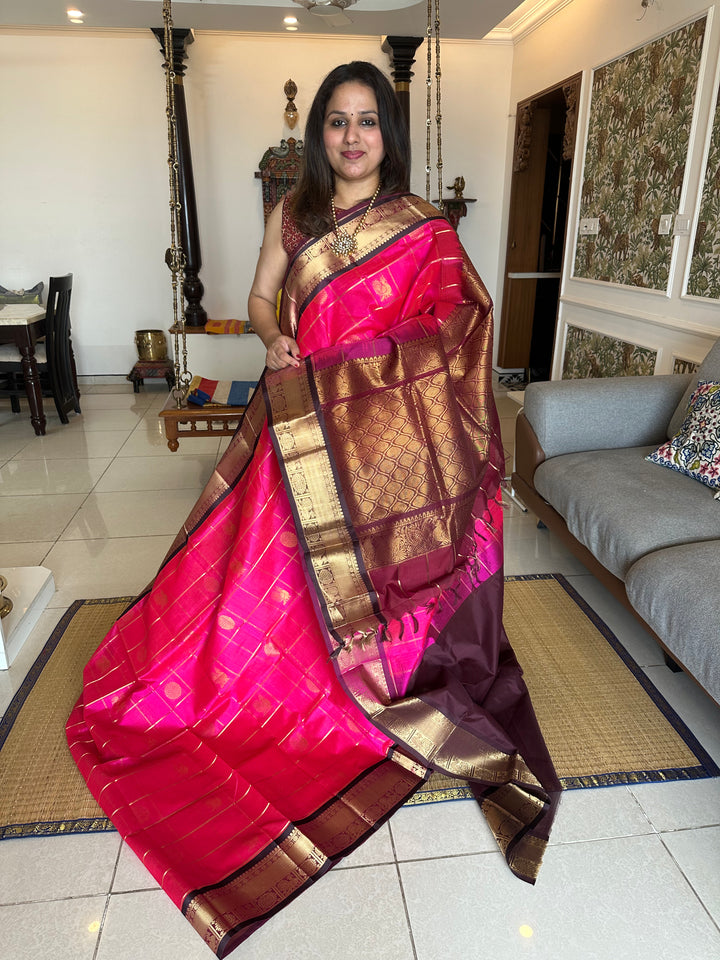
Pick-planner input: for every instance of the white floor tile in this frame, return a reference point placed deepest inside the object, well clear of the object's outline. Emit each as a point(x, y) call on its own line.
point(446, 829)
point(131, 514)
point(180, 472)
point(700, 713)
point(378, 849)
point(621, 899)
point(115, 401)
point(348, 913)
point(92, 420)
point(148, 440)
point(26, 478)
point(24, 554)
point(680, 805)
point(121, 387)
point(36, 868)
point(119, 567)
point(37, 518)
point(598, 814)
point(61, 930)
point(148, 926)
point(10, 446)
point(697, 853)
point(541, 554)
point(131, 874)
point(74, 444)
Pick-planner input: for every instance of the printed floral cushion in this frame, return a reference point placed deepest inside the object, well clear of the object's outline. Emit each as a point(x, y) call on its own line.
point(22, 296)
point(695, 449)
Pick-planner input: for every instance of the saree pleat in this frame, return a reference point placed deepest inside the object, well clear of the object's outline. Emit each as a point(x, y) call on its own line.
point(327, 626)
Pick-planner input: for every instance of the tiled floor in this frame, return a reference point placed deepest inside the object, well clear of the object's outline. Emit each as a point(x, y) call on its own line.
point(632, 872)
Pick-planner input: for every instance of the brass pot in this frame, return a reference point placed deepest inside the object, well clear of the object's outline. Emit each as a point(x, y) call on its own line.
point(6, 604)
point(151, 344)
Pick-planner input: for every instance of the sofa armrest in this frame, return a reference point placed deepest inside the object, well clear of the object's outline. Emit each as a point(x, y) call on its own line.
point(528, 452)
point(567, 416)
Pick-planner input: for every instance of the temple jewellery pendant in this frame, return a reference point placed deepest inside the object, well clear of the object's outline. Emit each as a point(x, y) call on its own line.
point(344, 244)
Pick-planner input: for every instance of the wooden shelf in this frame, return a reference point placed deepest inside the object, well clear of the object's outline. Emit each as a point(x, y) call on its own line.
point(193, 330)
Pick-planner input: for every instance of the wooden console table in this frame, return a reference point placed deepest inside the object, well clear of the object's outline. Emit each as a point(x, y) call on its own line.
point(192, 421)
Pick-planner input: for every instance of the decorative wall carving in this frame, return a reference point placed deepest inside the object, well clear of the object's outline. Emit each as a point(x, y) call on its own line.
point(279, 169)
point(640, 117)
point(704, 279)
point(590, 354)
point(524, 137)
point(570, 92)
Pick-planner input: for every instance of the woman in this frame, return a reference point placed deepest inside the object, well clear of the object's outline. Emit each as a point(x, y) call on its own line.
point(326, 629)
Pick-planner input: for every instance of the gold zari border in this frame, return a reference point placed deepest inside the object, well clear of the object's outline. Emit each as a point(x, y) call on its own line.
point(310, 476)
point(288, 865)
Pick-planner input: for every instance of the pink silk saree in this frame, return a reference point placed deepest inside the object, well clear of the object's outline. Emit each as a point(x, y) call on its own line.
point(327, 628)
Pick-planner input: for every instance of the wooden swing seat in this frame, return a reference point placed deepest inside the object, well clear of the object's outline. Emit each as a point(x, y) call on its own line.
point(192, 421)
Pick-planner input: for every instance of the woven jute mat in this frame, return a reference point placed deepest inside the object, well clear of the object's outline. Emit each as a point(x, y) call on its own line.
point(603, 721)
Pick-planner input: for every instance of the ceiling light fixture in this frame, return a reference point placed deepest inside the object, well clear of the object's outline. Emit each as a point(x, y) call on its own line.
point(75, 13)
point(290, 20)
point(76, 20)
point(325, 8)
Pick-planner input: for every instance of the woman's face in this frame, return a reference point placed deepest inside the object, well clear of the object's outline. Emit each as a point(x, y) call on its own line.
point(351, 134)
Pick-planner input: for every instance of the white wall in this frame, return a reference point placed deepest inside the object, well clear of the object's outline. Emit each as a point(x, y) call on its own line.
point(581, 36)
point(83, 171)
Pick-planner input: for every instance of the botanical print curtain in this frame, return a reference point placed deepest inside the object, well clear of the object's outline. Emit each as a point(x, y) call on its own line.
point(704, 280)
point(640, 117)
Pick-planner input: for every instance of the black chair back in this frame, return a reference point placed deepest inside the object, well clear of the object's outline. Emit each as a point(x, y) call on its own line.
point(58, 346)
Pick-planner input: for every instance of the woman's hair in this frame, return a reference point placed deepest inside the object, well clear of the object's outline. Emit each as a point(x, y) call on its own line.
point(311, 198)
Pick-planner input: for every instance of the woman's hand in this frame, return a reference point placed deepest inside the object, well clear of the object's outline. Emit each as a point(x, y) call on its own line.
point(282, 352)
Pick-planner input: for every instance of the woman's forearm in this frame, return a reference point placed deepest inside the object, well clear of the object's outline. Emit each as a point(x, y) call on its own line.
point(263, 319)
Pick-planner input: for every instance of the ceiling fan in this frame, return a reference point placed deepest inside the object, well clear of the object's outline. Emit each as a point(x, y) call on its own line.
point(332, 10)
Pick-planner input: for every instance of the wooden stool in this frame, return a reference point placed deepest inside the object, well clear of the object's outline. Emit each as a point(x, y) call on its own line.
point(151, 368)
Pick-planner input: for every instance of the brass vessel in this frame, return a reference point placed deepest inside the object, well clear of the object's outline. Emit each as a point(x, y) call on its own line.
point(151, 344)
point(6, 604)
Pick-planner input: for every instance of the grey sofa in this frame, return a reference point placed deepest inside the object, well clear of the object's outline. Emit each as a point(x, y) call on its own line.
point(650, 534)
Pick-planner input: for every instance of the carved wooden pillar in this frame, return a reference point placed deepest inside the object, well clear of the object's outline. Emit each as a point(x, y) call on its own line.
point(195, 315)
point(571, 91)
point(402, 53)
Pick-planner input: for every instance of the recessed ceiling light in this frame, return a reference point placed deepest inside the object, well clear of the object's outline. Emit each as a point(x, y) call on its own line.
point(290, 28)
point(76, 20)
point(75, 13)
point(290, 20)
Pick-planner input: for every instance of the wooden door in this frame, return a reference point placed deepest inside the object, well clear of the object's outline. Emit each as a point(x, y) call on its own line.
point(526, 200)
point(535, 119)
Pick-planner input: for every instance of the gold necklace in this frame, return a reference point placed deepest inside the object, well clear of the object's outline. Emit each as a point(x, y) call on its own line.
point(346, 243)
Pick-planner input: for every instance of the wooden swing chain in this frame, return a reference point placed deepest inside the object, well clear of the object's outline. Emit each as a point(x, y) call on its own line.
point(176, 255)
point(428, 115)
point(433, 20)
point(438, 115)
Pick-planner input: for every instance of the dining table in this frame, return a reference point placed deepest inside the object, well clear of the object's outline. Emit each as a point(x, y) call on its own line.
point(22, 324)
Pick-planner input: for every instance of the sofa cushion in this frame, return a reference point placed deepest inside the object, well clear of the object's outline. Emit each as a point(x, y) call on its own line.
point(695, 448)
point(622, 507)
point(709, 369)
point(676, 593)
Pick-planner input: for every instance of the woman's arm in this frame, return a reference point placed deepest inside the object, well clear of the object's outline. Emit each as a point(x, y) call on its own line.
point(282, 351)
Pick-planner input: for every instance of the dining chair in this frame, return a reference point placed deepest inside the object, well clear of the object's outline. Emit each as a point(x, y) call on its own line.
point(55, 359)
